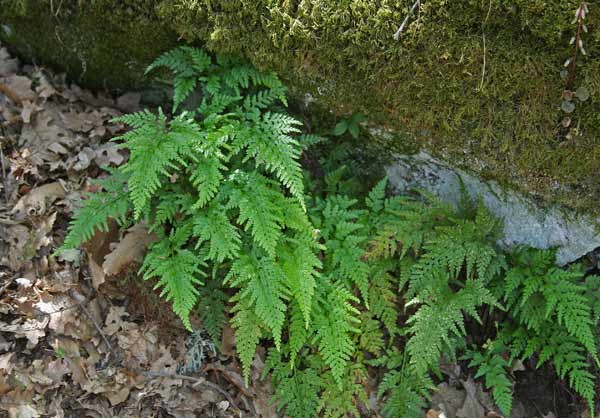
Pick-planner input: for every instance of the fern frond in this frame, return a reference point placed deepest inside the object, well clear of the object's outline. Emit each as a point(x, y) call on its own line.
point(187, 64)
point(271, 145)
point(300, 266)
point(206, 177)
point(298, 331)
point(407, 393)
point(335, 321)
point(296, 390)
point(376, 198)
point(248, 331)
point(211, 307)
point(262, 286)
point(260, 211)
point(383, 298)
point(435, 322)
point(97, 209)
point(495, 368)
point(153, 152)
point(178, 272)
point(223, 238)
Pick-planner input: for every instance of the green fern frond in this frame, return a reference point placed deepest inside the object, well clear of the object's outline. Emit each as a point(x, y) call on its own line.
point(248, 330)
point(187, 64)
point(271, 145)
point(383, 297)
point(495, 368)
point(212, 301)
point(112, 203)
point(260, 209)
point(298, 332)
point(263, 289)
point(300, 267)
point(206, 177)
point(376, 198)
point(296, 390)
point(213, 225)
point(178, 271)
point(407, 393)
point(335, 321)
point(154, 150)
point(435, 322)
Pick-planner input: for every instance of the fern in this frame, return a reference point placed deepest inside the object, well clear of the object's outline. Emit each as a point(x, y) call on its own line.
point(494, 367)
point(179, 273)
point(263, 284)
point(334, 326)
point(407, 394)
point(212, 303)
point(539, 293)
point(111, 203)
point(248, 328)
point(432, 326)
point(213, 226)
point(322, 277)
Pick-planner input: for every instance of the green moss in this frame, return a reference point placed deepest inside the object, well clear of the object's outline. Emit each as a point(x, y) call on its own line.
point(101, 44)
point(500, 119)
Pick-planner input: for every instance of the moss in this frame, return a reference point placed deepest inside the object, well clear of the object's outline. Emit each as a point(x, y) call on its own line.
point(100, 44)
point(493, 109)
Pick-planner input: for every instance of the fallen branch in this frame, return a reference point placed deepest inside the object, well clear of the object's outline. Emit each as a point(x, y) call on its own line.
point(197, 382)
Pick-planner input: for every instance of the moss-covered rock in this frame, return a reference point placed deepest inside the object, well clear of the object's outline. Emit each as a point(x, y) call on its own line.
point(476, 82)
point(99, 43)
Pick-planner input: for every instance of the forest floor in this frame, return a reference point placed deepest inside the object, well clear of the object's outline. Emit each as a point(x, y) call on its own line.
point(80, 334)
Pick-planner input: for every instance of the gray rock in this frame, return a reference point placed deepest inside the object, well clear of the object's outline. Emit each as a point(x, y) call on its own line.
point(524, 222)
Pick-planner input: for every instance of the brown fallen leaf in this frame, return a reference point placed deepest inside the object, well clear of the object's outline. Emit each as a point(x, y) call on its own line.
point(129, 250)
point(32, 329)
point(471, 407)
point(38, 200)
point(8, 65)
point(29, 109)
point(17, 88)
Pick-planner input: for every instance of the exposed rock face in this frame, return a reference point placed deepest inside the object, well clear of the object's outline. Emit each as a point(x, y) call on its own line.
point(525, 222)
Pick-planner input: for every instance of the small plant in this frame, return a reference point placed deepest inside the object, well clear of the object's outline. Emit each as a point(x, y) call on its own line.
point(351, 125)
point(582, 94)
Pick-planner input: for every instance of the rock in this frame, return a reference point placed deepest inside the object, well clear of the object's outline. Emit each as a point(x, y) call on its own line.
point(525, 222)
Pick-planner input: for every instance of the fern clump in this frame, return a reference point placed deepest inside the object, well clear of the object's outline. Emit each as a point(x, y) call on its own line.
point(222, 187)
point(344, 288)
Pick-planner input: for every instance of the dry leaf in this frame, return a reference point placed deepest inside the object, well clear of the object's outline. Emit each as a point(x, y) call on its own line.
point(18, 88)
point(471, 407)
point(32, 329)
point(36, 202)
point(129, 250)
point(8, 65)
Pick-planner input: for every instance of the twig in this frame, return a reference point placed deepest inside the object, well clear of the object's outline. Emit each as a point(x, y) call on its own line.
point(484, 47)
point(196, 381)
point(5, 286)
point(80, 299)
point(405, 21)
point(4, 179)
